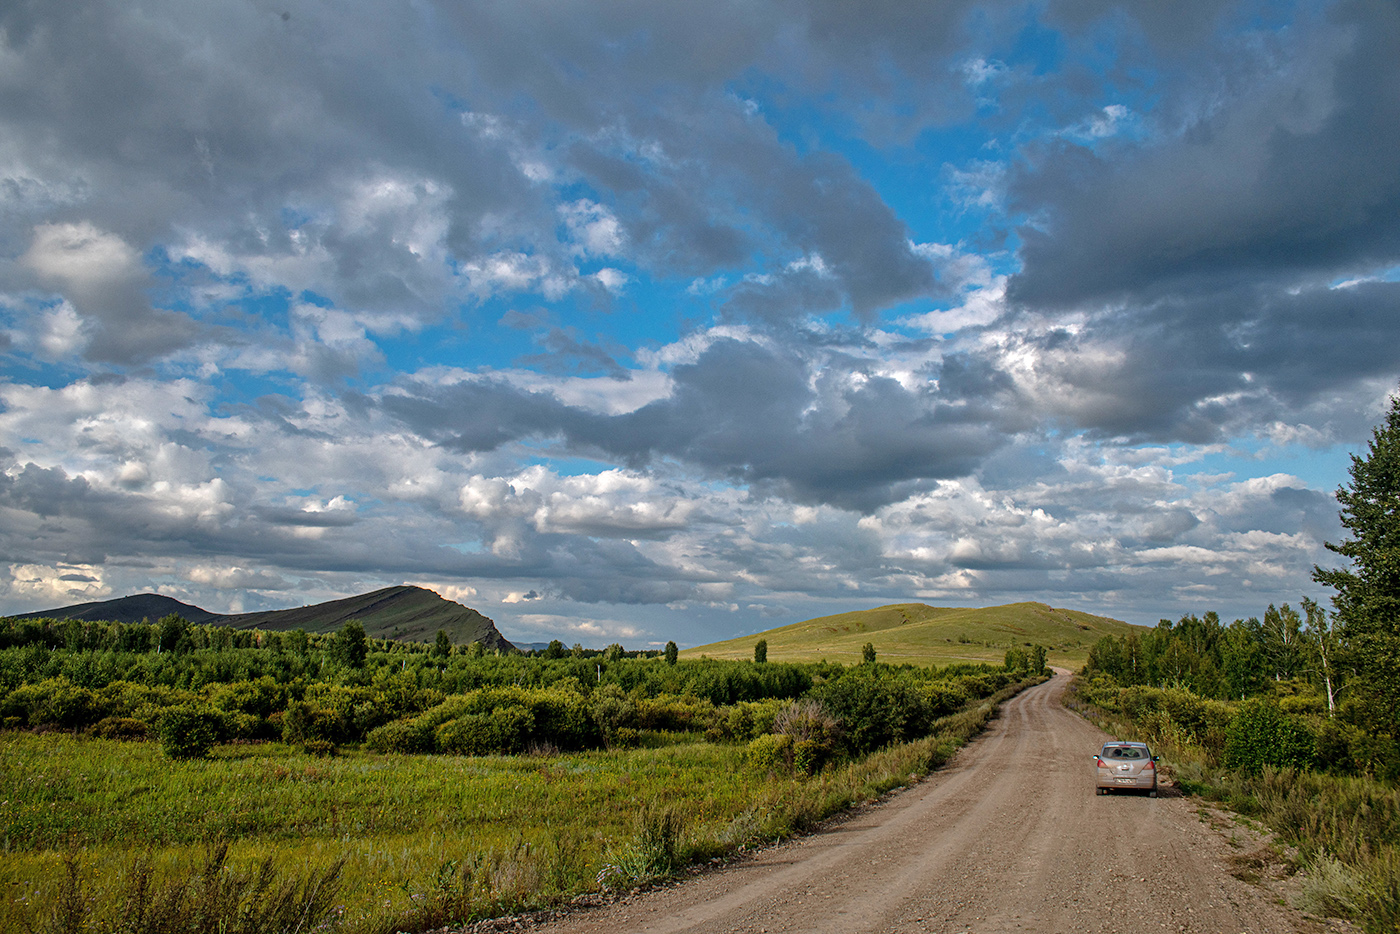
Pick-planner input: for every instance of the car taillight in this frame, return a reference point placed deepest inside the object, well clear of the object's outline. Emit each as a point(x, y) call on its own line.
point(1149, 764)
point(1100, 763)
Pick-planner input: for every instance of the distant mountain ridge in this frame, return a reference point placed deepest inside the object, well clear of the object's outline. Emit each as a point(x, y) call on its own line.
point(405, 613)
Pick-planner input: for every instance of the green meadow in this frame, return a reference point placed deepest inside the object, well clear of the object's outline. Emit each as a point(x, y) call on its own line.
point(916, 634)
point(399, 842)
point(176, 778)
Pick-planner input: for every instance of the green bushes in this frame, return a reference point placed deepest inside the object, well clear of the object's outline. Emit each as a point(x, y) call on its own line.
point(402, 736)
point(317, 689)
point(503, 730)
point(188, 731)
point(770, 752)
point(505, 721)
point(1261, 734)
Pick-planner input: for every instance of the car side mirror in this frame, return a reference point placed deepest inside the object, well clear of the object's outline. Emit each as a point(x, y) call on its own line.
point(1155, 758)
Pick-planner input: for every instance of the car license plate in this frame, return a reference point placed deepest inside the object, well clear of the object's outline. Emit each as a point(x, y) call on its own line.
point(1128, 781)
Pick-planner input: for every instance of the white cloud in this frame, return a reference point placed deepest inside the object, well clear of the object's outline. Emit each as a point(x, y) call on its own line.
point(80, 253)
point(593, 228)
point(49, 586)
point(458, 593)
point(225, 577)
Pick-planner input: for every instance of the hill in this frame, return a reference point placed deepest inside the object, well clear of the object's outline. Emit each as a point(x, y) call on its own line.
point(408, 614)
point(132, 609)
point(918, 634)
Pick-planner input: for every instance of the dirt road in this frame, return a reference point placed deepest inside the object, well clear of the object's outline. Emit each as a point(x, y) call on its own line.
point(1008, 837)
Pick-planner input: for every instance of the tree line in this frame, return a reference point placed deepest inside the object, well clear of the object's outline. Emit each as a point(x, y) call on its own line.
point(1321, 688)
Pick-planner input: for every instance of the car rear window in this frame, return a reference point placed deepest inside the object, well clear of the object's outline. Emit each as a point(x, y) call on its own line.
point(1124, 752)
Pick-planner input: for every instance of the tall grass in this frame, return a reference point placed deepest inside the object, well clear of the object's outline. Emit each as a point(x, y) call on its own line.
point(1346, 829)
point(98, 835)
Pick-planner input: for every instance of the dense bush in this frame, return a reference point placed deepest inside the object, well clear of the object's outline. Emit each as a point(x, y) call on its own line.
point(332, 690)
point(402, 736)
point(188, 731)
point(503, 730)
point(770, 752)
point(1261, 734)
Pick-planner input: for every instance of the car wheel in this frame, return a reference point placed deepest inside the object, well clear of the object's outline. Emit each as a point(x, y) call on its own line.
point(1152, 793)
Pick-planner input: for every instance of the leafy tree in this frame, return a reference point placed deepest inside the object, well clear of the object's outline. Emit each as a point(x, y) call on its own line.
point(296, 641)
point(555, 649)
point(1241, 660)
point(443, 647)
point(172, 629)
point(671, 653)
point(350, 646)
point(867, 653)
point(1321, 640)
point(1367, 598)
point(1283, 641)
point(760, 651)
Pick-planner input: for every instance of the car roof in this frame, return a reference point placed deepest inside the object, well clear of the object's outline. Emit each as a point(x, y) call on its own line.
point(1122, 742)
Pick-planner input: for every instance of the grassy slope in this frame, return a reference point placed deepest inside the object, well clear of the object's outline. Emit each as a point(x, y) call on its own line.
point(410, 614)
point(927, 635)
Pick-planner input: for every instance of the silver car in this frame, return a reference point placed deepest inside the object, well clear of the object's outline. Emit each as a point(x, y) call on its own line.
point(1125, 765)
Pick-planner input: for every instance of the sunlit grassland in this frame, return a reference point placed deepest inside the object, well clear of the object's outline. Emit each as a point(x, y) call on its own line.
point(916, 634)
point(396, 820)
point(423, 840)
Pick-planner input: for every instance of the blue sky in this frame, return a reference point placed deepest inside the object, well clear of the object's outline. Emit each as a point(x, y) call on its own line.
point(634, 322)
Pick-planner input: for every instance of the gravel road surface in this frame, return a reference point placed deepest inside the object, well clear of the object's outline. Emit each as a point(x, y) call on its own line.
point(1010, 836)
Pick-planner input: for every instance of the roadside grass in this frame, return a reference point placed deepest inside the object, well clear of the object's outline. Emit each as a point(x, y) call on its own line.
point(99, 835)
point(1346, 829)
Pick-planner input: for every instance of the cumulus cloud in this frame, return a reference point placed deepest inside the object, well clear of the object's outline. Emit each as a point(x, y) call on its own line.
point(686, 317)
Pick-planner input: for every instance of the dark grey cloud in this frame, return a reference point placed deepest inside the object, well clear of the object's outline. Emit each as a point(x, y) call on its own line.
point(1293, 175)
point(749, 413)
point(1201, 367)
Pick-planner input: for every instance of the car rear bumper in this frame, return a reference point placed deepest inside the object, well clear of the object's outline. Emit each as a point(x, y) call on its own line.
point(1145, 783)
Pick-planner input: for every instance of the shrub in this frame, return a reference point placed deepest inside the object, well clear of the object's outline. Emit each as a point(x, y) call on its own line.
point(1261, 735)
point(677, 714)
point(503, 730)
point(323, 749)
point(943, 698)
point(770, 752)
point(303, 721)
point(401, 736)
point(55, 701)
point(874, 711)
point(808, 756)
point(612, 710)
point(188, 731)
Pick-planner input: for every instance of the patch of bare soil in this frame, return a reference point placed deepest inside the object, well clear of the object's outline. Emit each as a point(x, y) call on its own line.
point(1009, 836)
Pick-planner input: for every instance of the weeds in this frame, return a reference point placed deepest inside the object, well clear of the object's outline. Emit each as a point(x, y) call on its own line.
point(215, 897)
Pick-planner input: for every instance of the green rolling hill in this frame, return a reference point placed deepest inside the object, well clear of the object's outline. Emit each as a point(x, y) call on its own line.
point(918, 634)
point(408, 614)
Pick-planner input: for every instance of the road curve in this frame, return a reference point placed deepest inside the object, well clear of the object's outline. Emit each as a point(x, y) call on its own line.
point(1009, 836)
